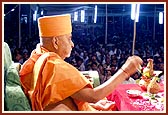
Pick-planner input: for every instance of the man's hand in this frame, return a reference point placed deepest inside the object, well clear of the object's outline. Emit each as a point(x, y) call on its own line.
point(103, 105)
point(131, 65)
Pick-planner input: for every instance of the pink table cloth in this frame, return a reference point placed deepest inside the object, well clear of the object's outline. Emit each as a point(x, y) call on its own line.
point(126, 103)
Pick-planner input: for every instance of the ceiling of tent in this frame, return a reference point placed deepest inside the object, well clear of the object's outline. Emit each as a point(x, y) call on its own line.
point(55, 8)
point(111, 7)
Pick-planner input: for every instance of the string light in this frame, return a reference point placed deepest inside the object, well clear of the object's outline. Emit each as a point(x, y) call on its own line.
point(13, 9)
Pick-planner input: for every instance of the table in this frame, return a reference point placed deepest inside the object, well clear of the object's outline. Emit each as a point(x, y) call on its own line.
point(140, 103)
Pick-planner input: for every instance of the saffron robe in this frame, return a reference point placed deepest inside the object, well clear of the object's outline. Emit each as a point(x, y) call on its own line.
point(53, 81)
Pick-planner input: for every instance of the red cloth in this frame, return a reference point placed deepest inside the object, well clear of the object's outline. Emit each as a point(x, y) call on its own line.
point(126, 103)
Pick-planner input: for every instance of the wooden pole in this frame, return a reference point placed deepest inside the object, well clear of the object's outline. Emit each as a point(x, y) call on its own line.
point(30, 21)
point(106, 27)
point(19, 27)
point(134, 37)
point(154, 18)
point(133, 43)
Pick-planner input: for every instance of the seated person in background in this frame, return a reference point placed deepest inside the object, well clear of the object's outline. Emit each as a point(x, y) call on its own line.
point(108, 74)
point(53, 84)
point(136, 76)
point(14, 97)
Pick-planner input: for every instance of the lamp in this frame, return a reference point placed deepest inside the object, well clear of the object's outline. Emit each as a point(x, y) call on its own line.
point(82, 15)
point(160, 17)
point(95, 15)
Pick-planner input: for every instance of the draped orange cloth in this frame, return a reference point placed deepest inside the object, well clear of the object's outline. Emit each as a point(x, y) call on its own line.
point(56, 81)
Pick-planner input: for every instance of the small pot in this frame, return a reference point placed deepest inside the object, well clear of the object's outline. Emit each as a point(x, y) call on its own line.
point(143, 83)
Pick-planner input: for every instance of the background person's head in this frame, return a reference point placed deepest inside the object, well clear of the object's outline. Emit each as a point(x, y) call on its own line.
point(55, 34)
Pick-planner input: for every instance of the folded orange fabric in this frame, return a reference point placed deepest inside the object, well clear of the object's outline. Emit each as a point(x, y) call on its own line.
point(56, 25)
point(52, 84)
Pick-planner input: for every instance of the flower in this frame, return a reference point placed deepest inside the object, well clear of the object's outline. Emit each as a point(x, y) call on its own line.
point(148, 71)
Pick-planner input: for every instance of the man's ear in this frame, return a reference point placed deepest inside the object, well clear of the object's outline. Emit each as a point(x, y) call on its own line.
point(55, 42)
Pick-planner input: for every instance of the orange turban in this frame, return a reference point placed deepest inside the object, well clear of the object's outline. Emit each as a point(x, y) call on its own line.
point(57, 25)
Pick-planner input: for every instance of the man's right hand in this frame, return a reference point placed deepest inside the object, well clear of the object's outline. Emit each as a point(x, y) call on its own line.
point(131, 65)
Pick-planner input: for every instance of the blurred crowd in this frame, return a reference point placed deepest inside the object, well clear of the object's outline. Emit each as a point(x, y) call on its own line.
point(91, 53)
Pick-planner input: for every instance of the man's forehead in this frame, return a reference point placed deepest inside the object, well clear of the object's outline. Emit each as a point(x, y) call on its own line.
point(66, 35)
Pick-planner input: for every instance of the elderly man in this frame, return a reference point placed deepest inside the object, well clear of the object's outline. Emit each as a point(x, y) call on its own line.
point(53, 84)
